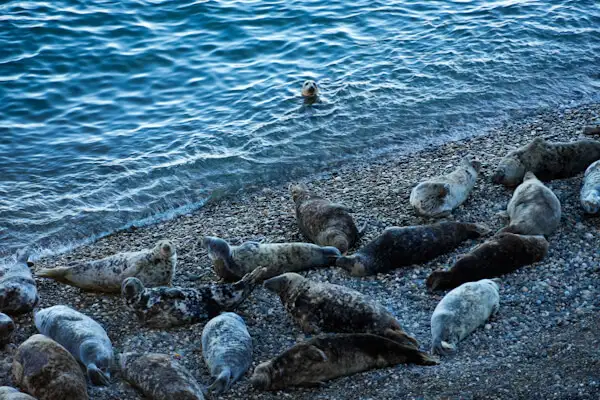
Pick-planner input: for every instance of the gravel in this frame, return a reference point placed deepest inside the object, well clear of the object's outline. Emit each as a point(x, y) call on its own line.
point(543, 344)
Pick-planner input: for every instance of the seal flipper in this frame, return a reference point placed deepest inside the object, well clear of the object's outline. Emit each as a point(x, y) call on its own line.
point(223, 382)
point(478, 230)
point(58, 274)
point(399, 336)
point(229, 296)
point(442, 347)
point(97, 377)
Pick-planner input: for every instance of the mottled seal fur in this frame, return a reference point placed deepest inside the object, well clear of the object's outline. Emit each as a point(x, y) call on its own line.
point(18, 292)
point(398, 247)
point(533, 209)
point(502, 254)
point(154, 267)
point(85, 339)
point(328, 357)
point(439, 196)
point(462, 311)
point(546, 160)
point(325, 307)
point(10, 393)
point(233, 262)
point(47, 371)
point(590, 191)
point(159, 377)
point(163, 307)
point(227, 350)
point(7, 327)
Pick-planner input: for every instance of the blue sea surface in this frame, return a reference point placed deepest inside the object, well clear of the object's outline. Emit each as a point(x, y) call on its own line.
point(128, 111)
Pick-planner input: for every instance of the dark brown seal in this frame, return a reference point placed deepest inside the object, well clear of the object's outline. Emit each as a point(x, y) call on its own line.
point(328, 357)
point(398, 247)
point(502, 254)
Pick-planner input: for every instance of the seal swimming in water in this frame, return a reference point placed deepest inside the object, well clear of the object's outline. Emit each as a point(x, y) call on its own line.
point(546, 160)
point(325, 307)
point(439, 196)
point(85, 339)
point(154, 267)
point(462, 311)
point(233, 262)
point(164, 307)
point(18, 292)
point(227, 350)
point(533, 209)
point(397, 247)
point(502, 254)
point(590, 191)
point(10, 393)
point(7, 327)
point(310, 91)
point(328, 357)
point(47, 371)
point(159, 377)
point(323, 222)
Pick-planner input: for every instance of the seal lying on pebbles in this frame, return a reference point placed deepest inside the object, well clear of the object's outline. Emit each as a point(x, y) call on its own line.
point(159, 377)
point(533, 209)
point(322, 306)
point(398, 247)
point(590, 191)
point(47, 371)
point(10, 393)
point(18, 292)
point(154, 267)
point(502, 254)
point(163, 307)
point(227, 350)
point(546, 160)
point(439, 196)
point(323, 222)
point(85, 339)
point(462, 311)
point(7, 327)
point(328, 357)
point(233, 262)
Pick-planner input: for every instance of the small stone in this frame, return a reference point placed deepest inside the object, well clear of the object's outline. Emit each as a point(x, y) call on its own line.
point(488, 327)
point(524, 289)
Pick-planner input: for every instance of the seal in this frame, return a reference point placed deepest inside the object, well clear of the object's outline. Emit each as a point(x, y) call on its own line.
point(18, 292)
point(398, 247)
point(10, 393)
point(438, 196)
point(533, 209)
point(310, 90)
point(83, 337)
point(502, 254)
point(546, 160)
point(227, 350)
point(325, 307)
point(7, 327)
point(164, 307)
point(47, 371)
point(323, 222)
point(154, 267)
point(328, 357)
point(462, 311)
point(590, 191)
point(233, 262)
point(159, 377)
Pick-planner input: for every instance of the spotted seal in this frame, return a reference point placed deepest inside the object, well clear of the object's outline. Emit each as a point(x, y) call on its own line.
point(397, 247)
point(323, 222)
point(85, 339)
point(159, 377)
point(233, 262)
point(533, 209)
point(462, 311)
point(227, 350)
point(10, 393)
point(328, 357)
point(546, 160)
point(310, 90)
point(438, 196)
point(163, 307)
point(325, 307)
point(47, 371)
point(7, 327)
point(18, 292)
point(502, 254)
point(590, 191)
point(154, 267)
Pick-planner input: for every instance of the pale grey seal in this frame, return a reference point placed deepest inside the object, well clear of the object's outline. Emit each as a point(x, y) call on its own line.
point(18, 292)
point(590, 191)
point(10, 393)
point(310, 89)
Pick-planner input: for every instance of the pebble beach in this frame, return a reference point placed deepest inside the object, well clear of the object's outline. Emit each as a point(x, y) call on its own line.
point(543, 343)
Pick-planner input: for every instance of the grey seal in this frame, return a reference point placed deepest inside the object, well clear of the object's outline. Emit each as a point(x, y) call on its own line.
point(227, 350)
point(310, 90)
point(154, 267)
point(397, 247)
point(10, 393)
point(7, 327)
point(462, 311)
point(325, 307)
point(590, 190)
point(233, 262)
point(18, 292)
point(85, 339)
point(47, 371)
point(159, 377)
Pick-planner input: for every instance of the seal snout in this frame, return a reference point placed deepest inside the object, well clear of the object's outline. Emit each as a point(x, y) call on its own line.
point(261, 379)
point(97, 376)
point(131, 287)
point(166, 248)
point(310, 88)
point(591, 203)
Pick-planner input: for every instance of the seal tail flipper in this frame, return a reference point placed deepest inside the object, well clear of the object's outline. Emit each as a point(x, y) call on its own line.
point(97, 377)
point(399, 336)
point(222, 383)
point(518, 229)
point(479, 230)
point(229, 296)
point(363, 229)
point(58, 274)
